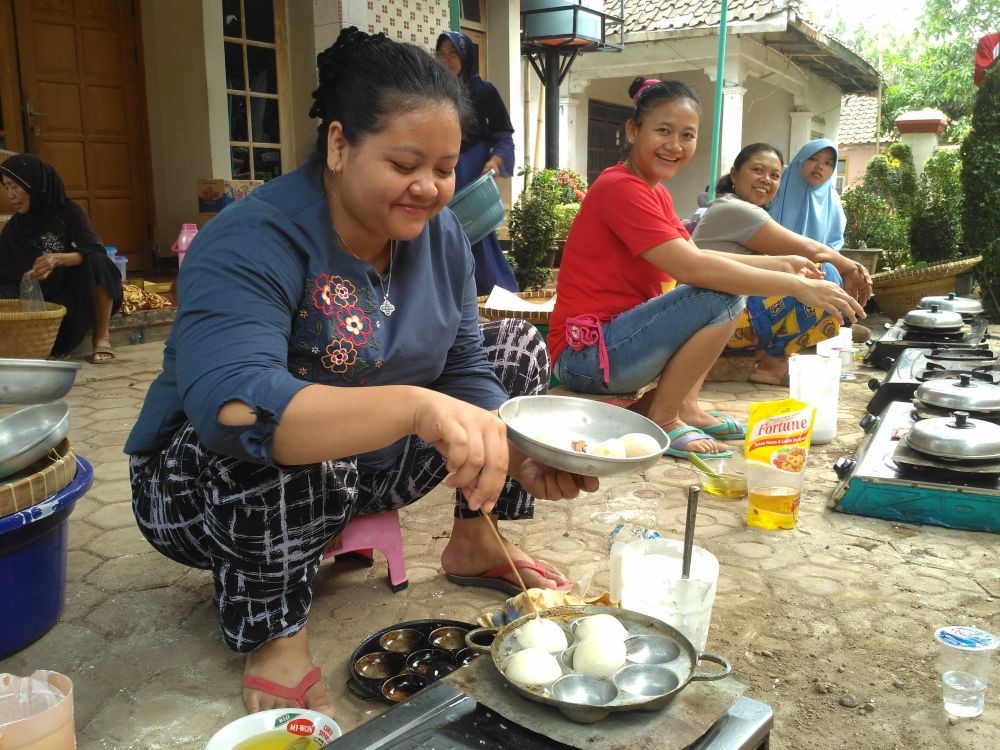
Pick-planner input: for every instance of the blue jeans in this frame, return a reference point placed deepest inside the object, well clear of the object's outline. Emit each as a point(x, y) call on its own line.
point(642, 340)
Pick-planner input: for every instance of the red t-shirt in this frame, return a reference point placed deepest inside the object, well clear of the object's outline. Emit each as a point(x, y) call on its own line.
point(602, 272)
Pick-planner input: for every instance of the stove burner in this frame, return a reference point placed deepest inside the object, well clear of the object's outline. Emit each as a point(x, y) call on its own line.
point(911, 333)
point(925, 411)
point(963, 354)
point(935, 371)
point(906, 457)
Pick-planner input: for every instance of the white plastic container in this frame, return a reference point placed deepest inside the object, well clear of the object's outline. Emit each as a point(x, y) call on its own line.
point(652, 585)
point(816, 380)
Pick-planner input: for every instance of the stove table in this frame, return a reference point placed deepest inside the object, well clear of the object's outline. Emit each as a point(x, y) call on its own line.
point(444, 718)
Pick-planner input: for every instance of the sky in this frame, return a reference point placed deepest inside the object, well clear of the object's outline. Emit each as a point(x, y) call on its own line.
point(874, 14)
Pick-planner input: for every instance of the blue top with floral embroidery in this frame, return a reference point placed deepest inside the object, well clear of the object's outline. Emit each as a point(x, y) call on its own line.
point(269, 303)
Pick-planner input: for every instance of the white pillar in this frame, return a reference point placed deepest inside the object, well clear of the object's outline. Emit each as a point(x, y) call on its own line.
point(731, 135)
point(800, 133)
point(921, 130)
point(569, 116)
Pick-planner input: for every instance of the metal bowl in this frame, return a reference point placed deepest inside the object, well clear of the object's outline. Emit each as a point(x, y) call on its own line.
point(534, 421)
point(35, 381)
point(29, 434)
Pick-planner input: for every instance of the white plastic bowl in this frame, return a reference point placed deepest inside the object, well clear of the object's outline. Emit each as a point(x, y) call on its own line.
point(296, 722)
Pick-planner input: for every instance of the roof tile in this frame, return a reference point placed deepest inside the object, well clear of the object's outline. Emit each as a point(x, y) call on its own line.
point(858, 119)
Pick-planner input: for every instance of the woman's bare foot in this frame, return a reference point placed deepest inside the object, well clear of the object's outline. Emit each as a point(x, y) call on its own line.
point(284, 661)
point(771, 368)
point(707, 445)
point(473, 549)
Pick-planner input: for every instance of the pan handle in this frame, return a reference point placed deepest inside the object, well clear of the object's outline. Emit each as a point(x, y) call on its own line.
point(722, 661)
point(477, 647)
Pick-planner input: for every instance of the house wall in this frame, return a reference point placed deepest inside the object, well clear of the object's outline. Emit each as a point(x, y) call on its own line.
point(187, 107)
point(857, 156)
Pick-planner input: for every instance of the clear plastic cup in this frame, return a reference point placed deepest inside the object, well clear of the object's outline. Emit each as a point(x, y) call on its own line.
point(774, 496)
point(965, 654)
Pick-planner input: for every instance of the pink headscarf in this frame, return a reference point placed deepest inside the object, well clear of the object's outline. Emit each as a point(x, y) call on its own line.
point(645, 85)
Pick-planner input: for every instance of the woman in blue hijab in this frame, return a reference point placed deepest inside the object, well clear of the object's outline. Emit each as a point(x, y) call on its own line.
point(807, 202)
point(487, 144)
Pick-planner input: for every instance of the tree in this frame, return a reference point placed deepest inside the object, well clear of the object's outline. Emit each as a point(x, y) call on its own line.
point(931, 67)
point(980, 166)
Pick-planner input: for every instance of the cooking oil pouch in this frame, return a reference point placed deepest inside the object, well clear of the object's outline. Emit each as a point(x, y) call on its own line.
point(776, 448)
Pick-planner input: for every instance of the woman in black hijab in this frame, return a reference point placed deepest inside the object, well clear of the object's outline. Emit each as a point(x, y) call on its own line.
point(487, 143)
point(51, 239)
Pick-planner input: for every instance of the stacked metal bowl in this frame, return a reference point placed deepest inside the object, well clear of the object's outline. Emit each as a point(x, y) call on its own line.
point(28, 434)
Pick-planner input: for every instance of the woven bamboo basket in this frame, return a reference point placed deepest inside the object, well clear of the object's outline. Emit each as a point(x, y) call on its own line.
point(898, 292)
point(28, 335)
point(535, 318)
point(41, 480)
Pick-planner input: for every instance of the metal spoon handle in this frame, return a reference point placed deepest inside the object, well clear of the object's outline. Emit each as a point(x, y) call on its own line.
point(692, 514)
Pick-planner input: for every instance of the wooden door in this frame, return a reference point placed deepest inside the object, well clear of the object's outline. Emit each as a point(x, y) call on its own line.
point(605, 136)
point(82, 99)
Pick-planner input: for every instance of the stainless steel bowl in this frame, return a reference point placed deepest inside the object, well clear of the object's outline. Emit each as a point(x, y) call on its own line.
point(29, 434)
point(35, 381)
point(533, 420)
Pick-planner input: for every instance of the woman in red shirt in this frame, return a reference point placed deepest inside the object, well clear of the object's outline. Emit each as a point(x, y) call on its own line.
point(637, 300)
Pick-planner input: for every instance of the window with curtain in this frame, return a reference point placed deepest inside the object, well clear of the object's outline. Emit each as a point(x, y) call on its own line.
point(254, 53)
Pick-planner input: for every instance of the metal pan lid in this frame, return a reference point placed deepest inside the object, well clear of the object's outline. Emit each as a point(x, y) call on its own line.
point(953, 303)
point(956, 438)
point(934, 318)
point(965, 394)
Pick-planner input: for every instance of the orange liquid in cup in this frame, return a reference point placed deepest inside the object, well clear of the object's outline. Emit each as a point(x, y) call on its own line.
point(773, 507)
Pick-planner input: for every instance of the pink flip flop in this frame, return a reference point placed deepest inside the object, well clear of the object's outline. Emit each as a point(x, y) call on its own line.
point(494, 577)
point(296, 693)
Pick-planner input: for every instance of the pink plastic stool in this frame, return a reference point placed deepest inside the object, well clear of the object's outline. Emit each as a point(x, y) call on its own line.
point(377, 531)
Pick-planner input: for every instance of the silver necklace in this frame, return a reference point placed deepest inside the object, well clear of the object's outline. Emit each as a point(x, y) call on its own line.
point(386, 307)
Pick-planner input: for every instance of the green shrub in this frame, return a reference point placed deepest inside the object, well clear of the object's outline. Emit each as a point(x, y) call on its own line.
point(565, 213)
point(936, 223)
point(531, 223)
point(981, 188)
point(871, 223)
point(879, 209)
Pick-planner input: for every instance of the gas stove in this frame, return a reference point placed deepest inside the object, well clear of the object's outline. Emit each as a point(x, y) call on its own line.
point(441, 716)
point(889, 480)
point(883, 352)
point(914, 366)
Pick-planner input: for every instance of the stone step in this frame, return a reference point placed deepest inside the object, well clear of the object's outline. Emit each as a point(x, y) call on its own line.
point(140, 327)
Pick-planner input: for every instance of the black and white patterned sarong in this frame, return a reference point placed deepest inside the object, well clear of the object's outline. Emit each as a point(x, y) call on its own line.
point(261, 530)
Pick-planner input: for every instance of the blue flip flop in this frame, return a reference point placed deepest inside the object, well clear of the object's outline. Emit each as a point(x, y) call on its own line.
point(681, 436)
point(727, 429)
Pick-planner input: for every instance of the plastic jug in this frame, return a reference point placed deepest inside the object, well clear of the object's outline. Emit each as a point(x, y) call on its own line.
point(37, 722)
point(188, 231)
point(816, 381)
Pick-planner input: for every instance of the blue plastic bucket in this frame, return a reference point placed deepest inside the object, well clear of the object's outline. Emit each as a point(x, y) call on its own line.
point(33, 563)
point(479, 207)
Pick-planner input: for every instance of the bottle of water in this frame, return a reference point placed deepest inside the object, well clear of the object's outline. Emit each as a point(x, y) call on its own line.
point(621, 535)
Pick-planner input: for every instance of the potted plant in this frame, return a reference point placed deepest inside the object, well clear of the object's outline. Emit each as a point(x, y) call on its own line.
point(531, 224)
